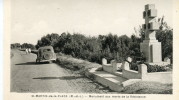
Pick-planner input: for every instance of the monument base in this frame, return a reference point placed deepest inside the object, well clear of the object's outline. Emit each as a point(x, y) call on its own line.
point(152, 51)
point(160, 63)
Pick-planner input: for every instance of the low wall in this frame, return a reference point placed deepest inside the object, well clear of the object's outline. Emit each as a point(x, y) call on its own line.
point(108, 68)
point(130, 74)
point(112, 67)
point(162, 77)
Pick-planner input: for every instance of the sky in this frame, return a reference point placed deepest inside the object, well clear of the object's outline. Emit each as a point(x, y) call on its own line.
point(32, 19)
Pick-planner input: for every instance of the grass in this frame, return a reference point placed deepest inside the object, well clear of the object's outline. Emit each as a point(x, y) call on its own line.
point(148, 88)
point(76, 64)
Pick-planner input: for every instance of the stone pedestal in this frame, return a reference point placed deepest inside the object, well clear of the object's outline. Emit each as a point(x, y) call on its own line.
point(151, 50)
point(150, 46)
point(142, 70)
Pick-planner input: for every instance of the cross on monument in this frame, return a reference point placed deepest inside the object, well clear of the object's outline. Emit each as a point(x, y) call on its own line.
point(150, 46)
point(150, 25)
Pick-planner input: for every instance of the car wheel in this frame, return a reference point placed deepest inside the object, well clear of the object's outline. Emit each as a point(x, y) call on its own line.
point(37, 61)
point(50, 62)
point(54, 61)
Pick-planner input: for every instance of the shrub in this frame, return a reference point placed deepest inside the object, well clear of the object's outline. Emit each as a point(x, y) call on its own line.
point(151, 68)
point(134, 66)
point(104, 46)
point(157, 68)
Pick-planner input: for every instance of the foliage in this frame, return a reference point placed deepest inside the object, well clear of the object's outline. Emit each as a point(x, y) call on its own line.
point(89, 48)
point(95, 48)
point(165, 36)
point(151, 68)
point(133, 66)
point(157, 68)
point(49, 39)
point(75, 64)
point(15, 46)
point(23, 46)
point(27, 45)
point(107, 46)
point(166, 39)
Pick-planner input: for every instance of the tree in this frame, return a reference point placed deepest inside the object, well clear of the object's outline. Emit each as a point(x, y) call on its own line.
point(49, 39)
point(15, 46)
point(109, 46)
point(165, 36)
point(27, 45)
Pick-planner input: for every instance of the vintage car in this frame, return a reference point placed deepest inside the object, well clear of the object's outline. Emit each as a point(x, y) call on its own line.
point(46, 54)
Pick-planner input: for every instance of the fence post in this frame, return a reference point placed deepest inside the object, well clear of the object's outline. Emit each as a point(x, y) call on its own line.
point(129, 59)
point(126, 65)
point(104, 61)
point(114, 65)
point(166, 59)
point(142, 69)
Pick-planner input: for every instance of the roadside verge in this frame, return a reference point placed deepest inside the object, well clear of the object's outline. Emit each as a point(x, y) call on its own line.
point(94, 72)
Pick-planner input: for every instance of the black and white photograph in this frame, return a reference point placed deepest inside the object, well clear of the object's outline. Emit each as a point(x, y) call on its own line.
point(91, 47)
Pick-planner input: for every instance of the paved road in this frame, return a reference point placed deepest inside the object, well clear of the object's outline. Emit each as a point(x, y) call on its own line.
point(27, 76)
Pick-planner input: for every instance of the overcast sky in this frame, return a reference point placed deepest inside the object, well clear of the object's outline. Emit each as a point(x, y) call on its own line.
point(32, 19)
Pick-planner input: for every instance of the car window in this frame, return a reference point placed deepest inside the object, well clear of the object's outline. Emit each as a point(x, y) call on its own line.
point(45, 50)
point(39, 51)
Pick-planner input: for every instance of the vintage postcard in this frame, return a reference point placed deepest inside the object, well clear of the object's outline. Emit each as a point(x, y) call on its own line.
point(91, 49)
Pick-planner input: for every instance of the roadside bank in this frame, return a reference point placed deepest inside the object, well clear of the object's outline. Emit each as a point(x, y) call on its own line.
point(83, 67)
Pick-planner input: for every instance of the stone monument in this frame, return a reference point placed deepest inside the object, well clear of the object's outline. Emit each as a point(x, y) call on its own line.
point(150, 46)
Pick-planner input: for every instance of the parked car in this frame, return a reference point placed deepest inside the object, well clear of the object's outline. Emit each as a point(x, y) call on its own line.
point(46, 54)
